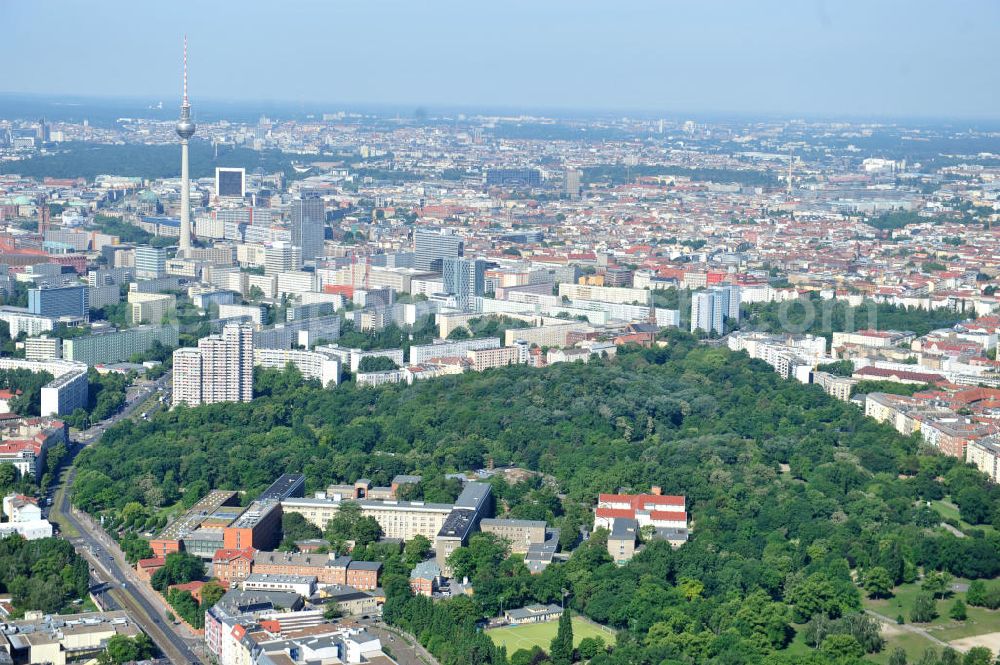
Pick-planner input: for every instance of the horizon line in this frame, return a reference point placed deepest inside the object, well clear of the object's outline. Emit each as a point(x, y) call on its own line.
point(501, 109)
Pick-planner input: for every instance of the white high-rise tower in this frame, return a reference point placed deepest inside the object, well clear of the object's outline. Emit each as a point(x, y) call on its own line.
point(185, 130)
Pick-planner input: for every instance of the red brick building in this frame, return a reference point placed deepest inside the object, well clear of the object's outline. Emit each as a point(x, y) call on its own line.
point(233, 566)
point(194, 588)
point(327, 568)
point(258, 527)
point(424, 578)
point(148, 567)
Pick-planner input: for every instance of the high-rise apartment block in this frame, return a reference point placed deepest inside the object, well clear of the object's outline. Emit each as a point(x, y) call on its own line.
point(219, 370)
point(710, 309)
point(150, 307)
point(117, 345)
point(308, 224)
point(706, 313)
point(730, 294)
point(465, 278)
point(571, 182)
point(187, 377)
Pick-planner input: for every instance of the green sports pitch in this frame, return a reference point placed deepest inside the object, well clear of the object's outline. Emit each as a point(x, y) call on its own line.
point(529, 635)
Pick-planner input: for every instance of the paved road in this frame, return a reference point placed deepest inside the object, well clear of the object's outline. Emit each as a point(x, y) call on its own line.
point(117, 585)
point(101, 590)
point(124, 588)
point(138, 398)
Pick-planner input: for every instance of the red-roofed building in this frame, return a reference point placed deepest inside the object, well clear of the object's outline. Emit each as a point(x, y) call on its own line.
point(148, 567)
point(24, 442)
point(895, 375)
point(232, 565)
point(194, 588)
point(655, 509)
point(640, 338)
point(271, 626)
point(5, 397)
point(611, 514)
point(953, 435)
point(629, 516)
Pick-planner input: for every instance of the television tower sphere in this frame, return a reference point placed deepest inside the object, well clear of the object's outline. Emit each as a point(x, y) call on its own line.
point(185, 127)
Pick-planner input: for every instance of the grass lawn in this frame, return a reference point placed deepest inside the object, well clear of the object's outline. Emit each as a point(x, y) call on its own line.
point(914, 645)
point(541, 634)
point(948, 510)
point(980, 620)
point(902, 601)
point(55, 514)
point(798, 646)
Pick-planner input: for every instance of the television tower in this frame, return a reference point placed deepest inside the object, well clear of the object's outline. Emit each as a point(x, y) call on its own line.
point(185, 129)
point(791, 159)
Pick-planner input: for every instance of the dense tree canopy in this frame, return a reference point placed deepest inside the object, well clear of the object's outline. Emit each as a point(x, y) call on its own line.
point(821, 317)
point(45, 574)
point(179, 568)
point(27, 388)
point(796, 498)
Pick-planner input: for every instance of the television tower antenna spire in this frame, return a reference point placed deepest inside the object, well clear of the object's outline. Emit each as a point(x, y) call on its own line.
point(185, 102)
point(789, 183)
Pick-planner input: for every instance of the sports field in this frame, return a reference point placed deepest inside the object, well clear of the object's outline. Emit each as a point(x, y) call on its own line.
point(541, 634)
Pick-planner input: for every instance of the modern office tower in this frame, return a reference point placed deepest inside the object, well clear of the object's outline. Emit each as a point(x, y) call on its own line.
point(150, 262)
point(308, 224)
point(430, 248)
point(59, 301)
point(571, 182)
point(465, 279)
point(280, 256)
point(230, 182)
point(708, 310)
point(185, 129)
point(219, 370)
point(513, 178)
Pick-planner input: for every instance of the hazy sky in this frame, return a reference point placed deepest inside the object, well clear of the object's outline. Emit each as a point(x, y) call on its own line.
point(905, 58)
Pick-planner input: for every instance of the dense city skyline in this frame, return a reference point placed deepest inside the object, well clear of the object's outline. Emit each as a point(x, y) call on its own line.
point(500, 334)
point(831, 59)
